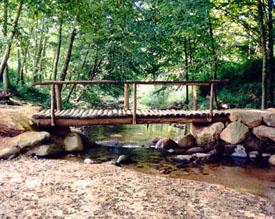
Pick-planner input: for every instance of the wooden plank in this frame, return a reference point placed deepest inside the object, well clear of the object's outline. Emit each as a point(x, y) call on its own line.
point(192, 82)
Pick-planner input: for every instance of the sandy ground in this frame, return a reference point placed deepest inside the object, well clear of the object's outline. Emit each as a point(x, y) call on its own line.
point(66, 189)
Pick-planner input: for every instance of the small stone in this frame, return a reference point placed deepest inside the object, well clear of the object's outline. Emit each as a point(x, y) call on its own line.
point(171, 151)
point(253, 154)
point(182, 158)
point(265, 155)
point(46, 150)
point(195, 150)
point(166, 144)
point(239, 152)
point(88, 161)
point(271, 160)
point(186, 141)
point(202, 157)
point(122, 159)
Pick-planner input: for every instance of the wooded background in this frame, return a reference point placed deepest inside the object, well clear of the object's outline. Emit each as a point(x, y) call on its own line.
point(151, 39)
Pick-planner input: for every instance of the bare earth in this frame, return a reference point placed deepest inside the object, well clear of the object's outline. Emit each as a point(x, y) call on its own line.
point(66, 189)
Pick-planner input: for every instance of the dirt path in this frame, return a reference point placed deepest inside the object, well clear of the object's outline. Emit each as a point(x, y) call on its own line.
point(66, 189)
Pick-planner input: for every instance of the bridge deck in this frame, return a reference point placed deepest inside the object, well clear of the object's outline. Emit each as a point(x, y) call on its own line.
point(85, 117)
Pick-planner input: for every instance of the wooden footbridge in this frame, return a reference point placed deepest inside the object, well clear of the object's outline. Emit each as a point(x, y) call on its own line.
point(55, 116)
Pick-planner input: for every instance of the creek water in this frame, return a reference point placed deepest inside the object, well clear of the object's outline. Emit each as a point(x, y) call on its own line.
point(243, 175)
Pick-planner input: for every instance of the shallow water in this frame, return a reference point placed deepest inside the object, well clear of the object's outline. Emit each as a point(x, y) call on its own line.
point(243, 175)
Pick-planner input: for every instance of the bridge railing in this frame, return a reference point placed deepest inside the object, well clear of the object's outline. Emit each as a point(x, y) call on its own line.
point(56, 87)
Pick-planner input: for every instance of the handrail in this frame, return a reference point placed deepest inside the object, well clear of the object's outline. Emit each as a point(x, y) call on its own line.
point(56, 100)
point(201, 82)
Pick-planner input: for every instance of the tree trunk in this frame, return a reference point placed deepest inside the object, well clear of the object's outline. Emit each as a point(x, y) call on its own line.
point(68, 56)
point(271, 71)
point(8, 48)
point(264, 54)
point(42, 59)
point(215, 60)
point(19, 63)
point(186, 71)
point(57, 55)
point(5, 24)
point(36, 73)
point(92, 73)
point(78, 75)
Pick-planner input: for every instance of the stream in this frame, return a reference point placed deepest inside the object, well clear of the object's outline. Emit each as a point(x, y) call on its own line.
point(243, 175)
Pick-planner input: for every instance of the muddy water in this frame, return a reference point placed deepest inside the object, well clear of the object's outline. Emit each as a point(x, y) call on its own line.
point(243, 175)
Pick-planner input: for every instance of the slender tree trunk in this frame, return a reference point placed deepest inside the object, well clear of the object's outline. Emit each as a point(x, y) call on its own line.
point(78, 75)
point(42, 59)
point(57, 55)
point(264, 53)
point(271, 71)
point(215, 59)
point(186, 71)
point(19, 63)
point(92, 73)
point(5, 27)
point(68, 56)
point(8, 48)
point(36, 73)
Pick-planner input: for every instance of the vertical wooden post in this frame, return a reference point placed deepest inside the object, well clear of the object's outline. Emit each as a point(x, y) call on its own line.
point(58, 97)
point(134, 103)
point(53, 105)
point(211, 99)
point(195, 97)
point(126, 96)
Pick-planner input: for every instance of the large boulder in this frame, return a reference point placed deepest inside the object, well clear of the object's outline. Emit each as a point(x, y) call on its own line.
point(264, 132)
point(9, 152)
point(166, 144)
point(73, 142)
point(186, 141)
point(15, 120)
point(8, 148)
point(47, 150)
point(269, 119)
point(206, 134)
point(251, 118)
point(271, 160)
point(31, 138)
point(234, 133)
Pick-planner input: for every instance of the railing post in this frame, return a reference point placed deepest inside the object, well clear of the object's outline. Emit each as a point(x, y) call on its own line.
point(134, 103)
point(53, 105)
point(195, 97)
point(126, 96)
point(211, 99)
point(58, 97)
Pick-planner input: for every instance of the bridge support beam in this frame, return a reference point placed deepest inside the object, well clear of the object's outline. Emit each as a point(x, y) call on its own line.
point(134, 103)
point(58, 97)
point(126, 96)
